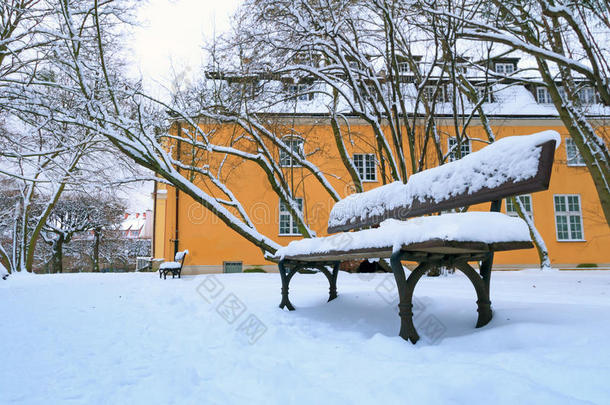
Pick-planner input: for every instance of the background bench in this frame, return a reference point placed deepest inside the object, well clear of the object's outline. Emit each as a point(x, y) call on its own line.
point(509, 167)
point(174, 267)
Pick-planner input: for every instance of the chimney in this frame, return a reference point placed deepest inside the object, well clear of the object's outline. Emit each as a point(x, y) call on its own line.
point(137, 214)
point(126, 215)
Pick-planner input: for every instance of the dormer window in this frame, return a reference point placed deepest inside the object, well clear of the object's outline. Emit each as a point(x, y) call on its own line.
point(302, 92)
point(439, 90)
point(504, 68)
point(543, 96)
point(404, 68)
point(485, 94)
point(247, 89)
point(587, 95)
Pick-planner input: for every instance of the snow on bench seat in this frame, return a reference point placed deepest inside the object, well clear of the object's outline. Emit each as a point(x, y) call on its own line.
point(500, 165)
point(457, 232)
point(169, 265)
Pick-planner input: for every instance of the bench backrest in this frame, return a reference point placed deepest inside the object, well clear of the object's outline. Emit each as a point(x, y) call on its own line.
point(179, 257)
point(508, 167)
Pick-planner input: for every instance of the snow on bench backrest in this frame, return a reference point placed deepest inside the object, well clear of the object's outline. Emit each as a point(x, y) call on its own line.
point(510, 166)
point(180, 255)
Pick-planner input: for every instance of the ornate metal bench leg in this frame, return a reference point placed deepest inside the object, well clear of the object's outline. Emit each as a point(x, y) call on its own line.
point(479, 283)
point(332, 280)
point(285, 282)
point(405, 293)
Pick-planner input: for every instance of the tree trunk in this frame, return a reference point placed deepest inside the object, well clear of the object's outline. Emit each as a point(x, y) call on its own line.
point(543, 253)
point(96, 250)
point(57, 259)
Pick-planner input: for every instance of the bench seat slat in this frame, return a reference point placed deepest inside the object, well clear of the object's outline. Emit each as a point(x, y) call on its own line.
point(432, 246)
point(468, 232)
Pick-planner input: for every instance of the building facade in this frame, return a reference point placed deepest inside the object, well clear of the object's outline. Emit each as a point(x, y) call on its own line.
point(568, 215)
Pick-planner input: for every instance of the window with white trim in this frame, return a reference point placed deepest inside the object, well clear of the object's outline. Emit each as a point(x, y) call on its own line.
point(505, 68)
point(568, 217)
point(296, 146)
point(404, 67)
point(526, 200)
point(452, 147)
point(301, 91)
point(573, 154)
point(430, 91)
point(543, 96)
point(288, 225)
point(485, 94)
point(587, 95)
point(366, 166)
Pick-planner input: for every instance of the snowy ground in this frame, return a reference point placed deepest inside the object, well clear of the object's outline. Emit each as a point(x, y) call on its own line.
point(132, 338)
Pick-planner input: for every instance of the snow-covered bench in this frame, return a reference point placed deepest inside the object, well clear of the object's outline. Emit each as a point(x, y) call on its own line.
point(174, 267)
point(509, 167)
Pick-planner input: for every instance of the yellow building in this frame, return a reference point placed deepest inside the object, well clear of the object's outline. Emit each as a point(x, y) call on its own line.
point(568, 215)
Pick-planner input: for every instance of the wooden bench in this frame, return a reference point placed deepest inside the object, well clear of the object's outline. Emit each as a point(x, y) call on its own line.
point(509, 167)
point(174, 267)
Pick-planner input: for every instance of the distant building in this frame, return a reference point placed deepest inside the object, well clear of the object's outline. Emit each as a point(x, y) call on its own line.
point(138, 225)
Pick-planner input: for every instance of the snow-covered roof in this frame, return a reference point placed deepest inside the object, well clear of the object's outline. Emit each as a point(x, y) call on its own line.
point(508, 99)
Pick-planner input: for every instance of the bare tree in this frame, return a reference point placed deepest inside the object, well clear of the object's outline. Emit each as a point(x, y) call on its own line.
point(568, 42)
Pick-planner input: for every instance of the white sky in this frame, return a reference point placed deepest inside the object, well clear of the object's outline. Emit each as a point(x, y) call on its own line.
point(172, 33)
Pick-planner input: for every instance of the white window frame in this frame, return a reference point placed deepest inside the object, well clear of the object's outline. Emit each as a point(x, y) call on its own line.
point(512, 211)
point(587, 95)
point(501, 67)
point(576, 159)
point(286, 160)
point(568, 214)
point(404, 68)
point(368, 161)
point(301, 91)
point(284, 214)
point(543, 96)
point(429, 91)
point(481, 91)
point(451, 153)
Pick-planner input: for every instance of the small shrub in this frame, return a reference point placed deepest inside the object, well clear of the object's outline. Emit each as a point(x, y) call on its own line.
point(586, 265)
point(254, 270)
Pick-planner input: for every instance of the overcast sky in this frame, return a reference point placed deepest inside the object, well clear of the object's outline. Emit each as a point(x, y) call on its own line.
point(173, 32)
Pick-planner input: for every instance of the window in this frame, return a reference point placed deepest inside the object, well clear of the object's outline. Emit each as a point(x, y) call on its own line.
point(247, 89)
point(482, 94)
point(295, 145)
point(574, 156)
point(302, 92)
point(430, 91)
point(543, 96)
point(587, 95)
point(568, 217)
point(288, 225)
point(134, 233)
point(365, 165)
point(505, 68)
point(526, 200)
point(464, 148)
point(403, 67)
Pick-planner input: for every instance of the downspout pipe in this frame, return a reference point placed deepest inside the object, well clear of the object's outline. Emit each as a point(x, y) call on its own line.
point(178, 150)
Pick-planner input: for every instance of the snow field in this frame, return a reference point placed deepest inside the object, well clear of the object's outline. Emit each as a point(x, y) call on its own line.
point(132, 338)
